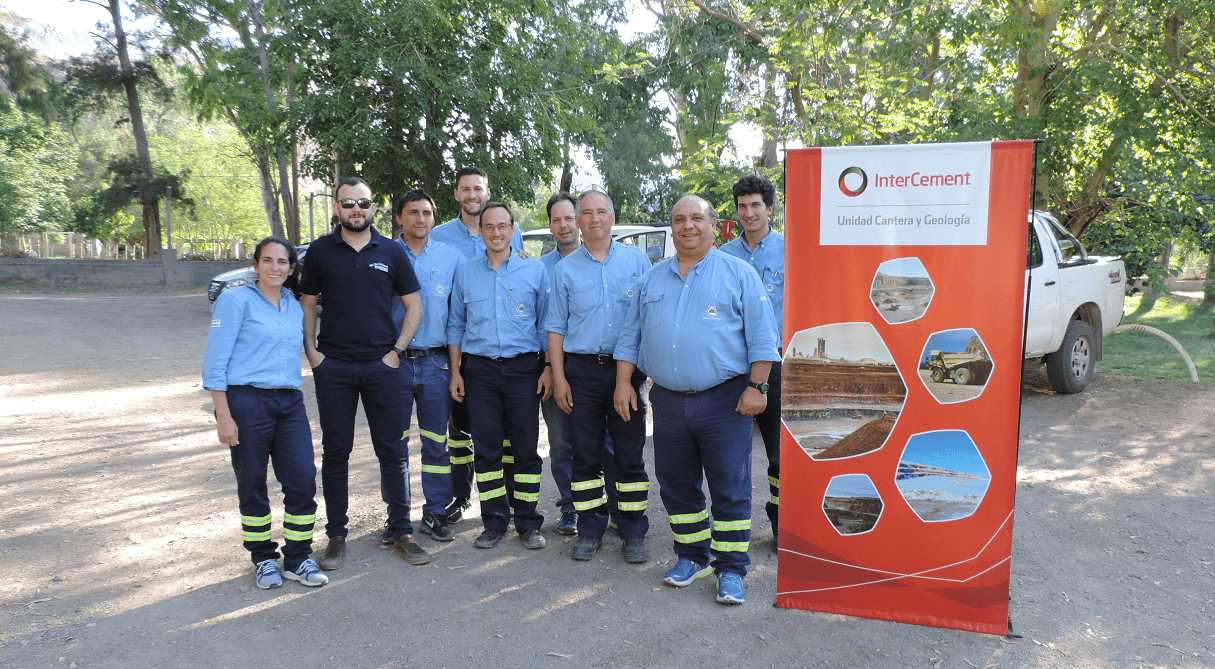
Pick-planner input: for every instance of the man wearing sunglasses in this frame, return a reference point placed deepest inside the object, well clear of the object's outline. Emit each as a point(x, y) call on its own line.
point(362, 274)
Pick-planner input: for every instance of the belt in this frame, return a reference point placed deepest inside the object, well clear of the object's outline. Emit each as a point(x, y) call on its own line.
point(533, 354)
point(597, 358)
point(425, 352)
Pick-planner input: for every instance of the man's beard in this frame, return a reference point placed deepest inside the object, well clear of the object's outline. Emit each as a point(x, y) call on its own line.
point(353, 227)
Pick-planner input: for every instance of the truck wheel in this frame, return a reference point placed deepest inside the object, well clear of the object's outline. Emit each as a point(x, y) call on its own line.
point(962, 376)
point(938, 376)
point(1069, 369)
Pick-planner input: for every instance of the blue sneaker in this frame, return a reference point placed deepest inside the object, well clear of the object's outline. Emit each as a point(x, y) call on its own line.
point(730, 589)
point(267, 575)
point(308, 573)
point(684, 572)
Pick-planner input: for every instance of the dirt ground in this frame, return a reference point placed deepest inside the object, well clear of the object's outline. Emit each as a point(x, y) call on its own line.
point(947, 391)
point(120, 538)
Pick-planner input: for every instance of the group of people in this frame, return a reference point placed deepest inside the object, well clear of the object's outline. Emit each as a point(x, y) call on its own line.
point(459, 321)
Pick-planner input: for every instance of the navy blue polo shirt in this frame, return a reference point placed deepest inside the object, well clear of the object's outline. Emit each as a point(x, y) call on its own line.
point(360, 288)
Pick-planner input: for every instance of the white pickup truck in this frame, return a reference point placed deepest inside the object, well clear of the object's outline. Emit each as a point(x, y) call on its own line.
point(1074, 300)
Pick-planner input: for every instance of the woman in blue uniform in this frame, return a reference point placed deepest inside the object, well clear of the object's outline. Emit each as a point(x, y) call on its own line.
point(252, 368)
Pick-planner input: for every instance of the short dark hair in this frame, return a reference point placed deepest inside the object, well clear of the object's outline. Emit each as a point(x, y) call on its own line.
point(753, 184)
point(558, 197)
point(470, 171)
point(585, 194)
point(350, 181)
point(292, 257)
point(494, 204)
point(412, 196)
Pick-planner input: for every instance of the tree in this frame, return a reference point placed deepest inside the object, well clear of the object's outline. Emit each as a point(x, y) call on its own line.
point(34, 166)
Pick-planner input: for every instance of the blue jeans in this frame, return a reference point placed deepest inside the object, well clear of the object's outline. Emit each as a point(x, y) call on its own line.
point(272, 426)
point(700, 436)
point(592, 386)
point(425, 381)
point(339, 386)
point(503, 404)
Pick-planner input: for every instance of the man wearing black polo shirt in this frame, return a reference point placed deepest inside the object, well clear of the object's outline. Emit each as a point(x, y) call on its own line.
point(361, 273)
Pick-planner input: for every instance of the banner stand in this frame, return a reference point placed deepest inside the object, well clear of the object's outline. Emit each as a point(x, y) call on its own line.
point(1033, 205)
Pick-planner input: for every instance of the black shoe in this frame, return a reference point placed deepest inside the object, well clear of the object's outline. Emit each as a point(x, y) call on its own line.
point(436, 527)
point(586, 548)
point(569, 523)
point(455, 510)
point(387, 537)
point(335, 552)
point(635, 550)
point(533, 540)
point(488, 539)
point(408, 548)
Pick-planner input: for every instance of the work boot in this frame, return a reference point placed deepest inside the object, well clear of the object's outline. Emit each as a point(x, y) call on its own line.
point(335, 552)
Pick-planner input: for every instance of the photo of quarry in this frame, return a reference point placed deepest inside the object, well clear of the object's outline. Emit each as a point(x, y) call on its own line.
point(955, 365)
point(901, 290)
point(942, 475)
point(841, 391)
point(852, 503)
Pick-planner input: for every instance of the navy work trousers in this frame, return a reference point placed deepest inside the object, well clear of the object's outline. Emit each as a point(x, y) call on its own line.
point(339, 387)
point(768, 422)
point(503, 404)
point(593, 386)
point(699, 436)
point(272, 428)
point(561, 456)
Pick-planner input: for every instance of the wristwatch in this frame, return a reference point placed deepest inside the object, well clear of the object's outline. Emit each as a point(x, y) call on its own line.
point(400, 353)
point(761, 387)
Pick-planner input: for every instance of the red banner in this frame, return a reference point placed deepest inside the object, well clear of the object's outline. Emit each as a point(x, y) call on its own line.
point(901, 380)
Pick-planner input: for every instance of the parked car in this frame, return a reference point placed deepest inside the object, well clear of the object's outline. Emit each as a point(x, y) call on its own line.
point(655, 240)
point(1074, 300)
point(246, 275)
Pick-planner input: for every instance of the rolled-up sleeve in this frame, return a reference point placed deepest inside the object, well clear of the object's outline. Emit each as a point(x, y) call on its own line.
point(557, 319)
point(759, 325)
point(542, 304)
point(225, 326)
point(630, 334)
point(456, 315)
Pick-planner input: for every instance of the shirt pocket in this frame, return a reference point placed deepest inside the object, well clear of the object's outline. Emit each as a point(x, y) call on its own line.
point(521, 304)
point(651, 310)
point(584, 296)
point(478, 305)
point(773, 277)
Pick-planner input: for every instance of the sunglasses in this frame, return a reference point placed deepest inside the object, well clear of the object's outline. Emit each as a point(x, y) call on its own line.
point(348, 203)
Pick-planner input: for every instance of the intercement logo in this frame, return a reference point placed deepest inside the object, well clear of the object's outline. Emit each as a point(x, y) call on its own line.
point(864, 181)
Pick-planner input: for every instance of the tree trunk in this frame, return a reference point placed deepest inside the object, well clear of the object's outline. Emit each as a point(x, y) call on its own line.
point(1208, 288)
point(263, 59)
point(269, 199)
point(768, 157)
point(151, 206)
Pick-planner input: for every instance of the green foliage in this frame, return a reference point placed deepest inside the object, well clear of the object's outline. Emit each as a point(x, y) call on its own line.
point(1142, 354)
point(34, 166)
point(32, 87)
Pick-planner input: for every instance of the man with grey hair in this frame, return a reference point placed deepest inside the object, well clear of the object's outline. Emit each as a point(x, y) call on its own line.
point(592, 290)
point(701, 327)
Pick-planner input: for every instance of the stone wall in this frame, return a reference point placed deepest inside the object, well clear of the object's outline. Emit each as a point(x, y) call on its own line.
point(169, 271)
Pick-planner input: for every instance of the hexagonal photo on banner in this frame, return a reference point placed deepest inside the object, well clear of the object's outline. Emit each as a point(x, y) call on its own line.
point(841, 392)
point(955, 366)
point(942, 475)
point(852, 504)
point(901, 290)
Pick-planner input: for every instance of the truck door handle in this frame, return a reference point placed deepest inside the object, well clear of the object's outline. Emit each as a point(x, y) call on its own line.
point(1049, 283)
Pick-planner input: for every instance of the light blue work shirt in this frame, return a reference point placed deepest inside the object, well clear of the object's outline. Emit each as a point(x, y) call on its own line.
point(251, 343)
point(551, 259)
point(768, 259)
point(456, 235)
point(692, 335)
point(590, 299)
point(435, 268)
point(499, 314)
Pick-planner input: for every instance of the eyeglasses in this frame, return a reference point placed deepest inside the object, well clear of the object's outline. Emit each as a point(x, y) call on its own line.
point(502, 227)
point(347, 203)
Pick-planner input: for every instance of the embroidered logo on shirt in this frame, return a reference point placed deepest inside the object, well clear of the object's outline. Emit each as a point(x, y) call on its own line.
point(628, 293)
point(439, 289)
point(380, 266)
point(711, 311)
point(521, 309)
point(215, 323)
point(770, 288)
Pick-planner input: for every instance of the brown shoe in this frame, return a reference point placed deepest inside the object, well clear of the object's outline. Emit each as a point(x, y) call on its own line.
point(335, 552)
point(408, 548)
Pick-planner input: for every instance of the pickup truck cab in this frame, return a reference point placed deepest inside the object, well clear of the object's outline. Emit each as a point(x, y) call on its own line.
point(1074, 300)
